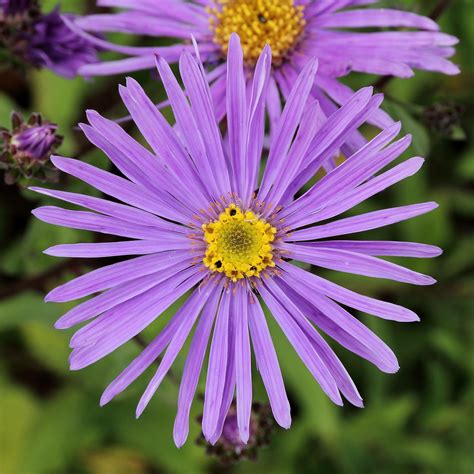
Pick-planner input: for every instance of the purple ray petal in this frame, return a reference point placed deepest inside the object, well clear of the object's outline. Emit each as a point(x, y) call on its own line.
point(218, 356)
point(326, 354)
point(192, 369)
point(352, 262)
point(349, 298)
point(113, 275)
point(302, 345)
point(117, 295)
point(192, 309)
point(267, 363)
point(243, 361)
point(364, 222)
point(339, 324)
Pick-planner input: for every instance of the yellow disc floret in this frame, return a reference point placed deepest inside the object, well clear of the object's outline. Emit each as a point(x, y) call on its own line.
point(239, 244)
point(278, 23)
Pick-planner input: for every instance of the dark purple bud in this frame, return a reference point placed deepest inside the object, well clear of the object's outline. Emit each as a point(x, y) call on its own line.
point(26, 148)
point(444, 119)
point(35, 143)
point(229, 449)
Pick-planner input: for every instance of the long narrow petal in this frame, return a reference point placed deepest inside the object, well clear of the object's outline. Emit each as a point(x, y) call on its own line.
point(112, 209)
point(337, 370)
point(192, 369)
point(259, 97)
point(124, 323)
point(142, 361)
point(289, 122)
point(381, 17)
point(116, 187)
point(229, 386)
point(187, 125)
point(113, 275)
point(353, 196)
point(364, 222)
point(97, 223)
point(268, 366)
point(347, 297)
point(243, 361)
point(116, 249)
point(237, 114)
point(382, 248)
point(117, 295)
point(192, 309)
point(203, 108)
point(217, 368)
point(340, 325)
point(302, 346)
point(358, 264)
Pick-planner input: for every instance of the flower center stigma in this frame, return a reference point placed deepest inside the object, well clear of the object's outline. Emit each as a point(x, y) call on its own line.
point(278, 23)
point(239, 244)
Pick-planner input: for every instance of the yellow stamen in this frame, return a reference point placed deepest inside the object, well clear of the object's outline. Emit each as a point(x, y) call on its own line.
point(239, 244)
point(278, 23)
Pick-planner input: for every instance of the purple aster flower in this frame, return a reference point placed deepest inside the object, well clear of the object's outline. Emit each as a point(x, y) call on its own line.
point(296, 30)
point(200, 223)
point(43, 41)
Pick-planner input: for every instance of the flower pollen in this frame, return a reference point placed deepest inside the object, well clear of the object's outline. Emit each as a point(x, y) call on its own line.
point(258, 23)
point(239, 244)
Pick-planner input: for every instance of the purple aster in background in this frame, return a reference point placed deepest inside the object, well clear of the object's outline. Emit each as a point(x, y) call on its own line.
point(200, 224)
point(42, 40)
point(296, 30)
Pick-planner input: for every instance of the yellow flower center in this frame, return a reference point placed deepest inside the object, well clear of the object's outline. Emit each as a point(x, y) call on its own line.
point(239, 244)
point(278, 23)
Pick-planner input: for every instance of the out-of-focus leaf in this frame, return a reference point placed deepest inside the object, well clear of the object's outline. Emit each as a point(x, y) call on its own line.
point(18, 414)
point(63, 429)
point(117, 460)
point(27, 307)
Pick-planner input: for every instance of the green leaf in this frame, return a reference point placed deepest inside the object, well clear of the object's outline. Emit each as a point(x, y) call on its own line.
point(27, 307)
point(421, 139)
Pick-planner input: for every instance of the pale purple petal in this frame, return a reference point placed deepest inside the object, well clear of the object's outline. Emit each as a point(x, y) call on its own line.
point(192, 309)
point(192, 369)
point(267, 364)
point(302, 345)
point(243, 361)
point(347, 297)
point(218, 361)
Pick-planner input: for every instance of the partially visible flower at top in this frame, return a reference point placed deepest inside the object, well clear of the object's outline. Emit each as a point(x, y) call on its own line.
point(209, 220)
point(296, 31)
point(42, 40)
point(25, 150)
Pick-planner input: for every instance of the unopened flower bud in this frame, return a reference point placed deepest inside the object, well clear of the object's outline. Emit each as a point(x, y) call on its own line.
point(27, 147)
point(229, 448)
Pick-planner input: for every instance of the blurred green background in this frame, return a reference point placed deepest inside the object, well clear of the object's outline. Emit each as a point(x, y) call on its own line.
point(419, 420)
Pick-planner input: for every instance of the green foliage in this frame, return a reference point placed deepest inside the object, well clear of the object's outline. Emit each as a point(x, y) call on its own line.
point(416, 421)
